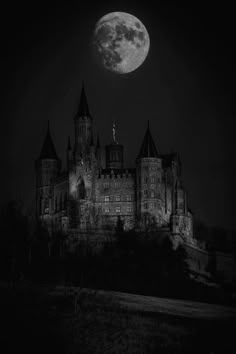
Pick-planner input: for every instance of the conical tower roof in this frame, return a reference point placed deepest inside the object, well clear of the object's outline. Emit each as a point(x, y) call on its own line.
point(83, 110)
point(48, 150)
point(148, 148)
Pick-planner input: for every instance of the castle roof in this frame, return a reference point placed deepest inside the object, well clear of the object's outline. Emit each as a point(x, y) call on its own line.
point(83, 110)
point(48, 150)
point(148, 148)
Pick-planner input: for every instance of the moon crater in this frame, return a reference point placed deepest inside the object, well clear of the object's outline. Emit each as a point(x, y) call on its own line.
point(121, 42)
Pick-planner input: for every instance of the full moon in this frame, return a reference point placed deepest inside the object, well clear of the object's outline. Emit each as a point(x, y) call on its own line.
point(121, 42)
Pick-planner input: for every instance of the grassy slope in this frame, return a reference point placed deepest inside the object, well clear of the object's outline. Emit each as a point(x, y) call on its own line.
point(41, 320)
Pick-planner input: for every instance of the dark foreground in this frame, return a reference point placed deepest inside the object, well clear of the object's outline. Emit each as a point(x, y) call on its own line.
point(42, 319)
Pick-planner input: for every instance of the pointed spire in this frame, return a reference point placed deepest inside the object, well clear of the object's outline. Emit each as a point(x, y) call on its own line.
point(113, 132)
point(83, 110)
point(148, 148)
point(48, 150)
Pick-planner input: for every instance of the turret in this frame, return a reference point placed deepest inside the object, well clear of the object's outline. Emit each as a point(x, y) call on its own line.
point(47, 167)
point(114, 153)
point(149, 178)
point(83, 128)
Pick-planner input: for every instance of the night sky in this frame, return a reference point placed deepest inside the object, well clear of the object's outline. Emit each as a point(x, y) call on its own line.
point(184, 88)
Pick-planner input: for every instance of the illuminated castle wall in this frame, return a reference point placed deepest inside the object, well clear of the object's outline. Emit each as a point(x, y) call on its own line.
point(94, 194)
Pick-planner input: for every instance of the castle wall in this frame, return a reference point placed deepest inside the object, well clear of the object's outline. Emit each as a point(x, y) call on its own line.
point(204, 262)
point(226, 265)
point(198, 258)
point(46, 170)
point(149, 191)
point(115, 198)
point(59, 202)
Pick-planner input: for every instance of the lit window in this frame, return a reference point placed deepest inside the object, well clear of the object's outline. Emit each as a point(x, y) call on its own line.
point(117, 209)
point(107, 198)
point(107, 210)
point(152, 194)
point(118, 198)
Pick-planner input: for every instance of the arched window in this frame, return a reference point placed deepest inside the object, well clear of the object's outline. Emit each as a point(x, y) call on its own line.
point(46, 206)
point(153, 180)
point(81, 188)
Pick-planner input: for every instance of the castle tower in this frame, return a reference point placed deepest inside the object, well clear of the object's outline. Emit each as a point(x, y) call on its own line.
point(149, 178)
point(83, 168)
point(114, 152)
point(47, 167)
point(180, 217)
point(83, 129)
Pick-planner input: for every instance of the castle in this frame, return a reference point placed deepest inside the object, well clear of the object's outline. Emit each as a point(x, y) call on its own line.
point(95, 191)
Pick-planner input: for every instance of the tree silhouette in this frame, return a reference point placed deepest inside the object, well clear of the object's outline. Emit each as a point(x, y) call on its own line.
point(14, 239)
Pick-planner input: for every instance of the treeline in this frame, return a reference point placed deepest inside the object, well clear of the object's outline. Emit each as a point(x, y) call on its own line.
point(26, 248)
point(130, 262)
point(126, 262)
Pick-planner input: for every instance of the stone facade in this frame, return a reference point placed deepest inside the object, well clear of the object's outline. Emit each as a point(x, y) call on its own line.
point(93, 194)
